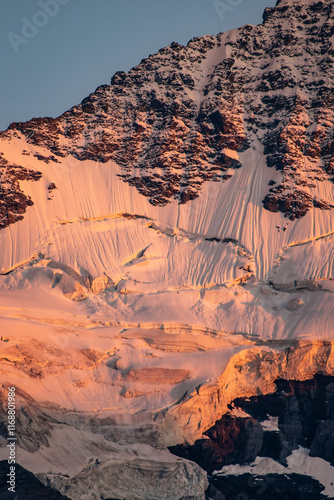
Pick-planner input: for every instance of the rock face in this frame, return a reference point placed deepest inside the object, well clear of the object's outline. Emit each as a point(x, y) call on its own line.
point(296, 414)
point(294, 304)
point(305, 416)
point(231, 440)
point(305, 412)
point(182, 116)
point(13, 202)
point(271, 486)
point(253, 371)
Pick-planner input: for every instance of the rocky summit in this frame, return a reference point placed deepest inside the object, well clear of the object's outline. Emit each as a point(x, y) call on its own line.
point(181, 116)
point(167, 251)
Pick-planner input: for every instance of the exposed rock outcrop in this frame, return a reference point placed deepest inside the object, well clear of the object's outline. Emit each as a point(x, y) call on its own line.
point(294, 304)
point(305, 416)
point(297, 414)
point(13, 201)
point(250, 372)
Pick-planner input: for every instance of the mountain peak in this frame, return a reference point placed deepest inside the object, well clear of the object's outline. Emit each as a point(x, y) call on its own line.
point(170, 248)
point(171, 122)
point(303, 3)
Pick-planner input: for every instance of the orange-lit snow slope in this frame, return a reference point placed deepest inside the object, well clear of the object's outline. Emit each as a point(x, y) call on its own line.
point(177, 264)
point(156, 274)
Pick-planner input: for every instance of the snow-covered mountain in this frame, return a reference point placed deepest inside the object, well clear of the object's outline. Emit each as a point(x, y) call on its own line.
point(167, 246)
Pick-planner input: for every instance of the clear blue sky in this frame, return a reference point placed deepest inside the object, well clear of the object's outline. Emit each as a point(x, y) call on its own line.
point(80, 44)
